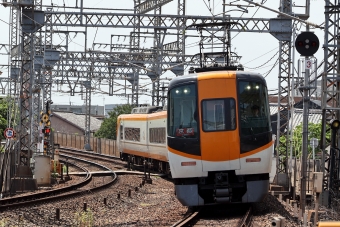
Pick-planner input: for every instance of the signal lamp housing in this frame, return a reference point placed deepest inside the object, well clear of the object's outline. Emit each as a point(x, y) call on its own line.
point(335, 124)
point(46, 130)
point(307, 44)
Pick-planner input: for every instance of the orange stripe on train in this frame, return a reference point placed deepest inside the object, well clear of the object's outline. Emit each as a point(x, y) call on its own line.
point(146, 154)
point(220, 160)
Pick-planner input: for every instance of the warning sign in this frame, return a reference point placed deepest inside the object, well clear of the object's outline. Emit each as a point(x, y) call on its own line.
point(9, 133)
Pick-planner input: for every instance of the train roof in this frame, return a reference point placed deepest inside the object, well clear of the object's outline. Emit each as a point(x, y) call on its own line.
point(193, 77)
point(146, 109)
point(160, 114)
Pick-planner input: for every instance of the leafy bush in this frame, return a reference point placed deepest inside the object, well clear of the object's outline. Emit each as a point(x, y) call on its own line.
point(108, 128)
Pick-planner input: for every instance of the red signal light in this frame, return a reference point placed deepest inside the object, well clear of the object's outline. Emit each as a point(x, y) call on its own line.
point(314, 44)
point(46, 131)
point(300, 43)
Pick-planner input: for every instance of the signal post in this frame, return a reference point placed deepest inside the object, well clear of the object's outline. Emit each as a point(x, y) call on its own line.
point(307, 44)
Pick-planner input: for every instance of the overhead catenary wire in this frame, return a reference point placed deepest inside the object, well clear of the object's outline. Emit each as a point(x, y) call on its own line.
point(241, 16)
point(73, 40)
point(209, 8)
point(267, 73)
point(263, 63)
point(261, 55)
point(84, 46)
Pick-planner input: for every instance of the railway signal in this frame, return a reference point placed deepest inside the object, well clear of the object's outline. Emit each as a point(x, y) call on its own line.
point(307, 44)
point(45, 147)
point(46, 130)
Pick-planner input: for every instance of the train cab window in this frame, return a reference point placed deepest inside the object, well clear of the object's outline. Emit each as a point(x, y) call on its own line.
point(182, 112)
point(219, 114)
point(255, 127)
point(254, 108)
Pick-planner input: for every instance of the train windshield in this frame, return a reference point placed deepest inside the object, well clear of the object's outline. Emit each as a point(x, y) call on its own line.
point(254, 108)
point(219, 114)
point(182, 119)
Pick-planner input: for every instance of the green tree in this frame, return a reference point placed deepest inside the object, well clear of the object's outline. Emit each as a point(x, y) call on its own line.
point(108, 128)
point(3, 116)
point(314, 131)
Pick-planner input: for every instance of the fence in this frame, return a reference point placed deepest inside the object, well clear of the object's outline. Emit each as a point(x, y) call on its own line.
point(5, 171)
point(98, 145)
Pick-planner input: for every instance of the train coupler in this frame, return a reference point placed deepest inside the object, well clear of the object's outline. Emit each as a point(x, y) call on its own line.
point(222, 195)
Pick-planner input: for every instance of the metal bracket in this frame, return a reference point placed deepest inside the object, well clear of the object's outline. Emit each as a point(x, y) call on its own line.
point(281, 29)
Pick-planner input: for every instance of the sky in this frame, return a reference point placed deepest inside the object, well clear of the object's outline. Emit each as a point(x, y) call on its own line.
point(256, 49)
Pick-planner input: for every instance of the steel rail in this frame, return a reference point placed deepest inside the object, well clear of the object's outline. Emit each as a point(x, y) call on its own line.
point(89, 154)
point(48, 196)
point(187, 219)
point(247, 219)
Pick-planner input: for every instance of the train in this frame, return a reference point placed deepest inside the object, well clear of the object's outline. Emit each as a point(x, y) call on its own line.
point(214, 137)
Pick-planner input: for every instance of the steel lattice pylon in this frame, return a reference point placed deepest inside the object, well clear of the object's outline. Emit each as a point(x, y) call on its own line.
point(134, 47)
point(283, 105)
point(159, 35)
point(15, 16)
point(27, 44)
point(330, 94)
point(283, 101)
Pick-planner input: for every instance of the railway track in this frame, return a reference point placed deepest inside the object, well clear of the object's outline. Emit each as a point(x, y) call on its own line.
point(59, 193)
point(247, 219)
point(213, 216)
point(90, 154)
point(186, 221)
point(121, 207)
point(241, 218)
point(114, 162)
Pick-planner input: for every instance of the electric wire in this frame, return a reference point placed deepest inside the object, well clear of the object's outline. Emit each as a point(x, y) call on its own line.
point(251, 16)
point(263, 63)
point(267, 73)
point(188, 45)
point(94, 39)
point(209, 8)
point(261, 55)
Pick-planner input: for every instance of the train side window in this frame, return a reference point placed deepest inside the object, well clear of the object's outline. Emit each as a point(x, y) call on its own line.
point(219, 114)
point(121, 132)
point(132, 134)
point(157, 135)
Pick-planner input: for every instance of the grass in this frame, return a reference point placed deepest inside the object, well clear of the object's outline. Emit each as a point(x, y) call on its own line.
point(3, 222)
point(84, 218)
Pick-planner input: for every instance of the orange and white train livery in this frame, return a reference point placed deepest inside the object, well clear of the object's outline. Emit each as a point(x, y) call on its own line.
point(218, 137)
